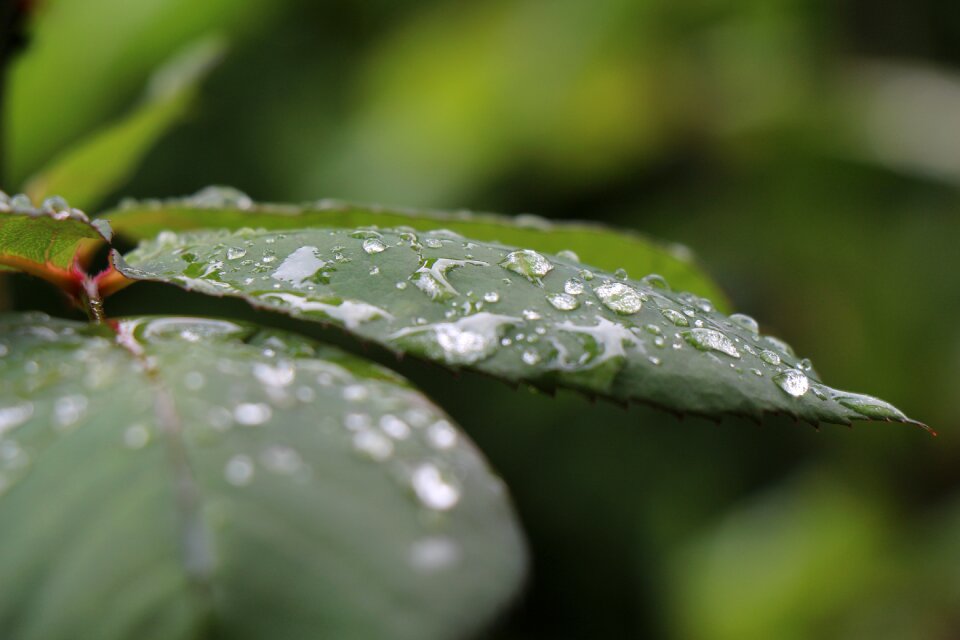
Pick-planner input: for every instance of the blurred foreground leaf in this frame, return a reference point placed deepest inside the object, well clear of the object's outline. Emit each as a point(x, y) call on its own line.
point(209, 479)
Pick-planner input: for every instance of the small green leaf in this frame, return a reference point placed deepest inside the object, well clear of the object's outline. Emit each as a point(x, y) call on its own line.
point(611, 249)
point(104, 160)
point(189, 478)
point(43, 241)
point(516, 314)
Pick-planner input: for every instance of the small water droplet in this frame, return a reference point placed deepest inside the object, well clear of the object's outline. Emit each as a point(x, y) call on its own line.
point(567, 254)
point(573, 287)
point(136, 436)
point(769, 357)
point(491, 297)
point(434, 488)
point(394, 427)
point(239, 470)
point(252, 413)
point(373, 444)
point(793, 382)
point(621, 274)
point(530, 314)
point(563, 301)
point(746, 322)
point(441, 434)
point(235, 253)
point(675, 317)
point(656, 281)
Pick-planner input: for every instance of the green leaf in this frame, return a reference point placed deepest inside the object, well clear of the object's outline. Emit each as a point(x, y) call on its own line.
point(513, 313)
point(611, 249)
point(43, 241)
point(104, 160)
point(190, 478)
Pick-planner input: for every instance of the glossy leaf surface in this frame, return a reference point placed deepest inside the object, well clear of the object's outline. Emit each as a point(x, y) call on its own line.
point(189, 478)
point(516, 314)
point(611, 249)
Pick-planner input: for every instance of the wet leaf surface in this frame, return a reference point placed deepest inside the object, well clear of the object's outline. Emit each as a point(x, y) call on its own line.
point(517, 314)
point(188, 476)
point(594, 244)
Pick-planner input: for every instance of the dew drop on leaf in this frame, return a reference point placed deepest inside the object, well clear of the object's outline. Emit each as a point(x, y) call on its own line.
point(619, 297)
point(795, 383)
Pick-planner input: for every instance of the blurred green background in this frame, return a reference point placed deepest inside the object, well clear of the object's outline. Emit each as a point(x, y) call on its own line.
point(807, 151)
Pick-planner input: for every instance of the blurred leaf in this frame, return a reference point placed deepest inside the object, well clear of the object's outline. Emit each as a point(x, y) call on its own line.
point(782, 567)
point(44, 241)
point(87, 59)
point(207, 479)
point(512, 313)
point(610, 249)
point(103, 161)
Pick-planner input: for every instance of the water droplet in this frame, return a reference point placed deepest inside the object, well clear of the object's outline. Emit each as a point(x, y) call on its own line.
point(373, 444)
point(374, 245)
point(466, 341)
point(299, 266)
point(619, 297)
point(15, 415)
point(675, 317)
point(563, 301)
point(780, 346)
point(136, 436)
point(433, 243)
point(216, 197)
point(394, 427)
point(567, 254)
point(68, 410)
point(530, 314)
point(805, 365)
point(573, 287)
point(528, 263)
point(792, 381)
point(283, 460)
point(769, 357)
point(235, 253)
point(530, 357)
point(355, 393)
point(656, 281)
point(431, 277)
point(746, 322)
point(441, 434)
point(491, 297)
point(280, 374)
point(434, 488)
point(433, 554)
point(239, 470)
point(621, 274)
point(252, 413)
point(709, 339)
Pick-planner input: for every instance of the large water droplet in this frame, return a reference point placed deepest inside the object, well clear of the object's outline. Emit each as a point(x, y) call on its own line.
point(711, 340)
point(299, 266)
point(527, 263)
point(235, 253)
point(769, 357)
point(619, 297)
point(793, 382)
point(374, 245)
point(563, 301)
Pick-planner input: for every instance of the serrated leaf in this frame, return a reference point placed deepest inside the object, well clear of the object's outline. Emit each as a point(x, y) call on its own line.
point(611, 249)
point(189, 478)
point(43, 241)
point(516, 314)
point(104, 160)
